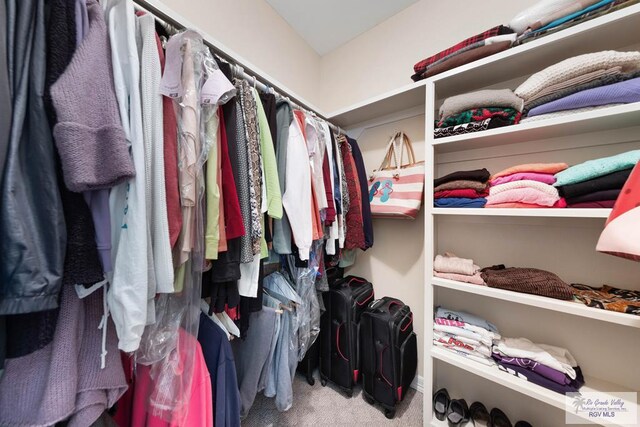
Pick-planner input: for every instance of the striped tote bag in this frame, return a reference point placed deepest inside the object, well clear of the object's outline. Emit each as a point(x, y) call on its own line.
point(396, 190)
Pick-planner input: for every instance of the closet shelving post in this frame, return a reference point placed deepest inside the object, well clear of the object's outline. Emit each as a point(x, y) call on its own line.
point(558, 240)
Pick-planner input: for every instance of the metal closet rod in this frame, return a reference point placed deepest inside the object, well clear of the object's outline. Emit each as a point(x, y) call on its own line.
point(238, 69)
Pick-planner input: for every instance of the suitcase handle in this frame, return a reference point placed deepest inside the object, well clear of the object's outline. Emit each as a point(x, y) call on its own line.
point(381, 371)
point(392, 303)
point(407, 325)
point(338, 342)
point(366, 300)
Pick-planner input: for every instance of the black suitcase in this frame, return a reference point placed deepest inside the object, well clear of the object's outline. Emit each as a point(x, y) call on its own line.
point(310, 362)
point(339, 355)
point(389, 353)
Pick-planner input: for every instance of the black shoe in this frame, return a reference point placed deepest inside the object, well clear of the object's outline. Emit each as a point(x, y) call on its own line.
point(523, 424)
point(499, 418)
point(441, 401)
point(479, 415)
point(458, 412)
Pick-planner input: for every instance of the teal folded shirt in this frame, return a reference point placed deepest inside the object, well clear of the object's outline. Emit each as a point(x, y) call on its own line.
point(596, 168)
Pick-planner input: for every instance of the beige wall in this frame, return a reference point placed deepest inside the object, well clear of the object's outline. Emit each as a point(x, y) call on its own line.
point(382, 58)
point(395, 263)
point(253, 30)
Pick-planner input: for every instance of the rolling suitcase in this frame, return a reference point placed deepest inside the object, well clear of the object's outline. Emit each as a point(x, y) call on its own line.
point(389, 353)
point(339, 355)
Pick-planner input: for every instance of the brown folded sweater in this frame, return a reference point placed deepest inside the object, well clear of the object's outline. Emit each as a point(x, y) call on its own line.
point(528, 281)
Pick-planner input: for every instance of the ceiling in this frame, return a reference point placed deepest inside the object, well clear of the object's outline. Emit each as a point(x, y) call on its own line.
point(328, 24)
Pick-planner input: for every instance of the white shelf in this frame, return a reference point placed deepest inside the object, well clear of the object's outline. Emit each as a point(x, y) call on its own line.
point(404, 98)
point(568, 307)
point(616, 30)
point(492, 373)
point(537, 213)
point(437, 423)
point(618, 117)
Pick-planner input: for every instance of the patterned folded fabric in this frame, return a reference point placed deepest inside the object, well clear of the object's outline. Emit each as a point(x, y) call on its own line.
point(527, 280)
point(598, 167)
point(540, 186)
point(608, 298)
point(544, 11)
point(449, 263)
point(574, 15)
point(495, 31)
point(612, 181)
point(549, 168)
point(537, 367)
point(492, 123)
point(519, 176)
point(462, 59)
point(468, 193)
point(523, 195)
point(625, 92)
point(459, 202)
point(478, 114)
point(576, 66)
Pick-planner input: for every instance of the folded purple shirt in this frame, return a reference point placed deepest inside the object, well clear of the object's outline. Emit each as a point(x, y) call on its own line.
point(547, 178)
point(532, 365)
point(624, 92)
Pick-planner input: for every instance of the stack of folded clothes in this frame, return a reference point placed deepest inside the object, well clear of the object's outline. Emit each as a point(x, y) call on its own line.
point(527, 280)
point(608, 298)
point(477, 111)
point(465, 334)
point(596, 183)
point(582, 83)
point(479, 46)
point(550, 16)
point(462, 189)
point(526, 186)
point(449, 266)
point(551, 367)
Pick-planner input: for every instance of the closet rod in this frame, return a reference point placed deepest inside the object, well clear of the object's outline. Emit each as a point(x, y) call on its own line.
point(238, 68)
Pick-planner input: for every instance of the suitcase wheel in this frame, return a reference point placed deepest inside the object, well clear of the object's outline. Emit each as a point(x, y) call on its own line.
point(311, 381)
point(349, 393)
point(390, 413)
point(323, 382)
point(368, 399)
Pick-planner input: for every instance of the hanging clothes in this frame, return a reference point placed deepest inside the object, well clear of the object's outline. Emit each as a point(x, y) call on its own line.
point(32, 235)
point(281, 227)
point(128, 293)
point(355, 237)
point(364, 190)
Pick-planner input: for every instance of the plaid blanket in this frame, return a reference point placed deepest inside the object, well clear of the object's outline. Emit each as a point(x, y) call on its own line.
point(421, 66)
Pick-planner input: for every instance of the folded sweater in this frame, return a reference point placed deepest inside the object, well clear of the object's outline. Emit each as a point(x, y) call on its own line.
point(527, 280)
point(612, 181)
point(449, 263)
point(459, 202)
point(599, 204)
point(596, 196)
point(517, 205)
point(468, 193)
point(480, 175)
point(547, 178)
point(523, 195)
point(525, 183)
point(463, 316)
point(576, 66)
point(482, 98)
point(460, 184)
point(565, 113)
point(549, 168)
point(598, 167)
point(475, 279)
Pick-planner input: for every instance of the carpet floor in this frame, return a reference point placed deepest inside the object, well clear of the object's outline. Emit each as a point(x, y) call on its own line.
point(328, 406)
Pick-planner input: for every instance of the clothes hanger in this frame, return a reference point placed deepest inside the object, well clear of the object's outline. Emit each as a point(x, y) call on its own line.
point(204, 306)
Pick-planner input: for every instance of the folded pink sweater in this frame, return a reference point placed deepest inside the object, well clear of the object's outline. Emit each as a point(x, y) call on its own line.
point(552, 168)
point(527, 183)
point(523, 195)
point(531, 176)
point(475, 279)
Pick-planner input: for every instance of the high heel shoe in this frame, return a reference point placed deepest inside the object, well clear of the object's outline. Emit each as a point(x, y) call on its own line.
point(499, 418)
point(441, 401)
point(458, 412)
point(479, 415)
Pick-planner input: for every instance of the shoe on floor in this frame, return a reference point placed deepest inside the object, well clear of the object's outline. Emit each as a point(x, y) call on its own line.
point(499, 418)
point(458, 413)
point(479, 415)
point(441, 402)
